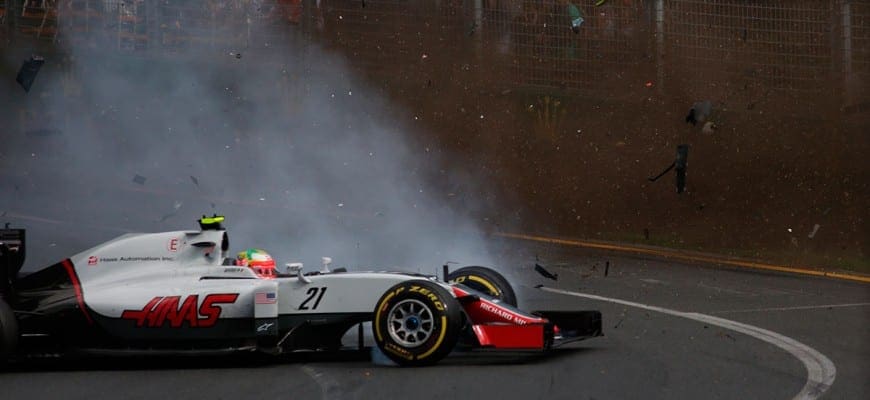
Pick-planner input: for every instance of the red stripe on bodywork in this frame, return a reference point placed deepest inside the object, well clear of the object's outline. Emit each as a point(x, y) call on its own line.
point(77, 287)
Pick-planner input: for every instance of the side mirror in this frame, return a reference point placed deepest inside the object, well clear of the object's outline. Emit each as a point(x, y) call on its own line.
point(296, 269)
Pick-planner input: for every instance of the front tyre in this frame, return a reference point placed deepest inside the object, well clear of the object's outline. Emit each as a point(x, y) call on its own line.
point(485, 280)
point(416, 323)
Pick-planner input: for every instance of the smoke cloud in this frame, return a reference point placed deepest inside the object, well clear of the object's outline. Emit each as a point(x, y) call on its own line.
point(305, 158)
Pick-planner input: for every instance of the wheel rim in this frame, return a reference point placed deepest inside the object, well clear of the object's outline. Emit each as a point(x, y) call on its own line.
point(410, 323)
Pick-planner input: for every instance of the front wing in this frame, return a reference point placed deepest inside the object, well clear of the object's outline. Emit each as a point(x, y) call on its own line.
point(500, 326)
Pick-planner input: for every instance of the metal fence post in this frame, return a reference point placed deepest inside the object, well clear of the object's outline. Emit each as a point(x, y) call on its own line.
point(846, 11)
point(660, 45)
point(478, 26)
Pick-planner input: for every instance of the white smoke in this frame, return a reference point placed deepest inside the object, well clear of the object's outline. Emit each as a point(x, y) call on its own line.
point(305, 158)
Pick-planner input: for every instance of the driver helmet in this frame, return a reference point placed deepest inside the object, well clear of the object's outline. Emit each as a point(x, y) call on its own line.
point(259, 261)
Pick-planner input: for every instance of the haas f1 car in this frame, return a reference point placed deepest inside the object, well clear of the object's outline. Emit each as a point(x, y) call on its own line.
point(177, 292)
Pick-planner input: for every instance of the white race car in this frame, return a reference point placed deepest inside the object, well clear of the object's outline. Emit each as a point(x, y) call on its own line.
point(176, 292)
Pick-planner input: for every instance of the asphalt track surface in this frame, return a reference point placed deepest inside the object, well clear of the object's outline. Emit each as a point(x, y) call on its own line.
point(646, 353)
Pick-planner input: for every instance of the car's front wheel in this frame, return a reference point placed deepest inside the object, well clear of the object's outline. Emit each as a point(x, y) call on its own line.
point(485, 280)
point(416, 323)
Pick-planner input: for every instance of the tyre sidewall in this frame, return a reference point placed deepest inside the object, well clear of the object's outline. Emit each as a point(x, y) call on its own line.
point(446, 323)
point(484, 280)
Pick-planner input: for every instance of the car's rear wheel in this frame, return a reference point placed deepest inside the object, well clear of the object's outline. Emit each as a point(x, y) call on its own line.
point(416, 323)
point(8, 332)
point(485, 280)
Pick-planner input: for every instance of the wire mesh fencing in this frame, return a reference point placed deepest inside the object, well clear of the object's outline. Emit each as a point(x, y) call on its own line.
point(854, 39)
point(742, 51)
point(746, 51)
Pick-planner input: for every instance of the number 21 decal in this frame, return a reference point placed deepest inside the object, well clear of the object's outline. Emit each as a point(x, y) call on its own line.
point(316, 294)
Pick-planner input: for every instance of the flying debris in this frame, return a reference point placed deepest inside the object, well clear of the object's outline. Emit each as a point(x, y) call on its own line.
point(175, 208)
point(680, 163)
point(139, 179)
point(576, 15)
point(194, 180)
point(546, 274)
point(709, 127)
point(699, 112)
point(28, 71)
point(815, 230)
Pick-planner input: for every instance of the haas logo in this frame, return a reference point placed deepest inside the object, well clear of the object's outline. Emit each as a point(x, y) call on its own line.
point(171, 309)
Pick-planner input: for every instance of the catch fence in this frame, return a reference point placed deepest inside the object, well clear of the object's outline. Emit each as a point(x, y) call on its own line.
point(737, 50)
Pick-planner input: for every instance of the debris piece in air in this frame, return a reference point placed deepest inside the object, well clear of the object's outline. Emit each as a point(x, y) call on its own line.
point(606, 267)
point(28, 71)
point(699, 112)
point(815, 229)
point(175, 208)
point(680, 163)
point(709, 127)
point(546, 274)
point(139, 179)
point(655, 178)
point(576, 16)
point(619, 323)
point(194, 180)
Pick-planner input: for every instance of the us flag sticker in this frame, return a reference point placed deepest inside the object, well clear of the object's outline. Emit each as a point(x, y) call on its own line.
point(265, 298)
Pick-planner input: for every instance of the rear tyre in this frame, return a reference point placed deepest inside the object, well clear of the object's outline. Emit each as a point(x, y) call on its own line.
point(417, 323)
point(485, 280)
point(8, 332)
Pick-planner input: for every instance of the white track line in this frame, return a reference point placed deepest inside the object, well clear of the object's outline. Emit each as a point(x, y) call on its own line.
point(821, 372)
point(825, 306)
